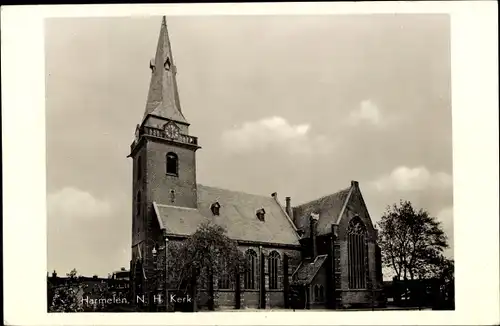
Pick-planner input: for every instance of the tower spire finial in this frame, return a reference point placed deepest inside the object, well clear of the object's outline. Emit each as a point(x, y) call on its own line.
point(163, 98)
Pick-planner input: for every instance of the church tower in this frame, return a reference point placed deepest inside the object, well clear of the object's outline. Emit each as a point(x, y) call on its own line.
point(163, 152)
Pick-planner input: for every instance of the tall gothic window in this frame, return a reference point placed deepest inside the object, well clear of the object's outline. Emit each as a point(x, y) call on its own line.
point(172, 164)
point(252, 269)
point(357, 253)
point(273, 265)
point(224, 281)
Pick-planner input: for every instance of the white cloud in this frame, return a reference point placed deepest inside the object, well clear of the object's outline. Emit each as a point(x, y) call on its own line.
point(413, 179)
point(277, 133)
point(72, 203)
point(368, 112)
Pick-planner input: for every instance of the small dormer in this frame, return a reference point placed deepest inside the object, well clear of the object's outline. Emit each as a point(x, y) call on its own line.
point(215, 208)
point(261, 214)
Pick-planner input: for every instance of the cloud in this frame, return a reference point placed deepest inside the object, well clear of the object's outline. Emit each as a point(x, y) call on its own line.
point(368, 112)
point(72, 203)
point(275, 133)
point(413, 179)
point(85, 232)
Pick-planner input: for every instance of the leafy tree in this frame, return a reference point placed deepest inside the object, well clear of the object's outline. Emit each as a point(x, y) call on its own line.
point(207, 252)
point(80, 294)
point(72, 274)
point(66, 297)
point(412, 242)
point(446, 275)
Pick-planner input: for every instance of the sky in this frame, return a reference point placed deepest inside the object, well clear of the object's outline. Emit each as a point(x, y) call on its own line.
point(298, 105)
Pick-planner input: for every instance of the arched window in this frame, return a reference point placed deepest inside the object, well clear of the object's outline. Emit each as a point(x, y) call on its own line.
point(273, 265)
point(224, 279)
point(252, 269)
point(172, 164)
point(321, 294)
point(356, 242)
point(316, 292)
point(138, 203)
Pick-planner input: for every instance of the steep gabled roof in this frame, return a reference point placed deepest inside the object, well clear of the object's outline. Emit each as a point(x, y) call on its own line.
point(237, 214)
point(308, 269)
point(329, 209)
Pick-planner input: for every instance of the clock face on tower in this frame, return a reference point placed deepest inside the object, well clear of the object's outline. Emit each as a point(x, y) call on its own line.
point(172, 131)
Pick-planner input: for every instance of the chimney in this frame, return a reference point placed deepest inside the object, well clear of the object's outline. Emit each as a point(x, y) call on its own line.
point(288, 208)
point(354, 183)
point(313, 221)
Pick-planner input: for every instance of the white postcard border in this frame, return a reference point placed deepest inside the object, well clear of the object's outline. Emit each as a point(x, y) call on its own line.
point(475, 169)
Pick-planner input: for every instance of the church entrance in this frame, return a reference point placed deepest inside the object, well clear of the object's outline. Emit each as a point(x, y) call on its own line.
point(298, 296)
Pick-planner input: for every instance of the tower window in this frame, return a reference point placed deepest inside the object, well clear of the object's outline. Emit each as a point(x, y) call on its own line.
point(167, 64)
point(172, 164)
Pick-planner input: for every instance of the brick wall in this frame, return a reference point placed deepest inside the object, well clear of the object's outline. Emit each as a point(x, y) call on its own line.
point(223, 298)
point(356, 207)
point(274, 297)
point(159, 183)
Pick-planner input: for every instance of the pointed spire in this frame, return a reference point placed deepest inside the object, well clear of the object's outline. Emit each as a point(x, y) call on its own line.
point(163, 98)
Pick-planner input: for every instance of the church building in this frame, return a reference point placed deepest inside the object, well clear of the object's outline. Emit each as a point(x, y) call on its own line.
point(324, 252)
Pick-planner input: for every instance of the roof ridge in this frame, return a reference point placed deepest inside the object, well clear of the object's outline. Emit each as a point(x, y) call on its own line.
point(172, 206)
point(283, 211)
point(325, 196)
point(346, 200)
point(235, 191)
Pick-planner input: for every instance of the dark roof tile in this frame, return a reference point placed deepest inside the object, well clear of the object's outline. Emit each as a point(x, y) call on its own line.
point(328, 207)
point(237, 215)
